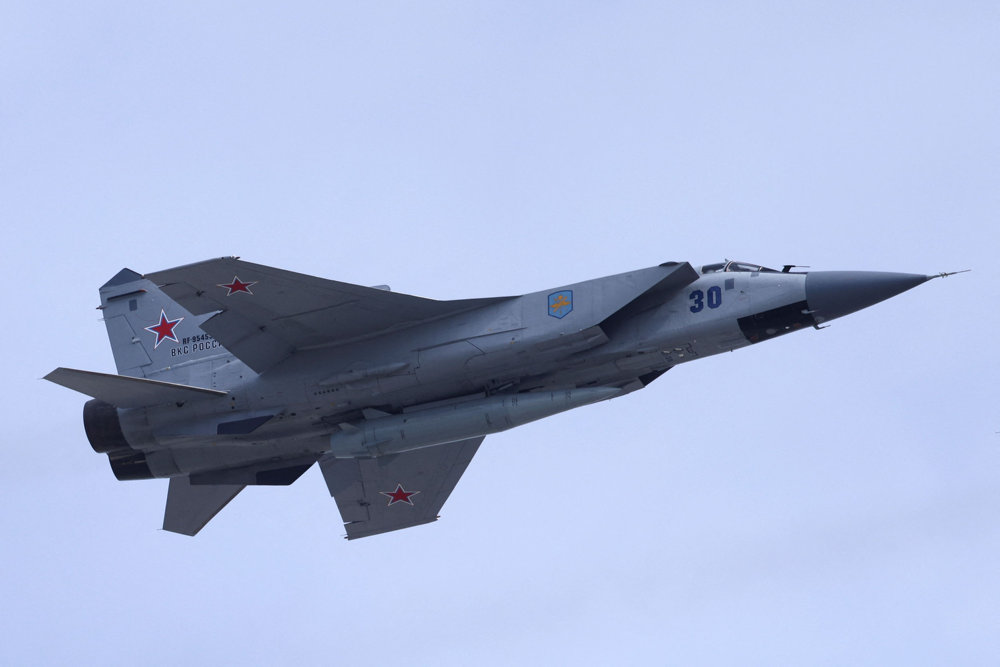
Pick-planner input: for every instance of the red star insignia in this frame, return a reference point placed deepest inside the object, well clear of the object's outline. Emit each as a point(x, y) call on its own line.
point(399, 495)
point(238, 286)
point(164, 330)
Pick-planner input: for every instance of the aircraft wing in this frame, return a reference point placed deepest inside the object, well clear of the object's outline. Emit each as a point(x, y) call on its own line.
point(263, 314)
point(377, 495)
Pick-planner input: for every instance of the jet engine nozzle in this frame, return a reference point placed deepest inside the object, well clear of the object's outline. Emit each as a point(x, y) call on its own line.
point(832, 294)
point(104, 430)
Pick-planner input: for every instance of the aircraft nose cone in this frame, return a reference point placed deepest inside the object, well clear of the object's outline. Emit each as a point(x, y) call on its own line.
point(832, 294)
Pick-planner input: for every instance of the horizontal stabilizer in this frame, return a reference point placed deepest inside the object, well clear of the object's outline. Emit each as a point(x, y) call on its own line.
point(128, 392)
point(190, 507)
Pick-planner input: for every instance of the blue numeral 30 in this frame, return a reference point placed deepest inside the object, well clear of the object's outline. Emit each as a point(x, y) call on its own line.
point(698, 299)
point(714, 297)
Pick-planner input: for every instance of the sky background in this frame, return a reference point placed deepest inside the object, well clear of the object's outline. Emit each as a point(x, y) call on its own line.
point(830, 497)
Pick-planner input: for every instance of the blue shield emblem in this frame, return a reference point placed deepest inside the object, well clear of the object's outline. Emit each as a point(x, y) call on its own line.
point(561, 303)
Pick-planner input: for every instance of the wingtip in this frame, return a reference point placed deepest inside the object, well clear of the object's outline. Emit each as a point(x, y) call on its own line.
point(947, 273)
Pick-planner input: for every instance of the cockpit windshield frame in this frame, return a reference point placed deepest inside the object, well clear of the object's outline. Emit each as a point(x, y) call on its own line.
point(732, 266)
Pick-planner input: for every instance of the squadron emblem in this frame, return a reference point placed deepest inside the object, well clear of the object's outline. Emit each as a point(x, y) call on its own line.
point(561, 303)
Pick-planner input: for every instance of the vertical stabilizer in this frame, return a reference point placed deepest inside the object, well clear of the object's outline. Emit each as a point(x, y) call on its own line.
point(150, 333)
point(191, 506)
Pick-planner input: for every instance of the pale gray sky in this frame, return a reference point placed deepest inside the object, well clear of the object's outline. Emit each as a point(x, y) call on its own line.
point(827, 498)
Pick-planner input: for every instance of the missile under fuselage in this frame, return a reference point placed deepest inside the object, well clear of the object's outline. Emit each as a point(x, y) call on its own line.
point(392, 434)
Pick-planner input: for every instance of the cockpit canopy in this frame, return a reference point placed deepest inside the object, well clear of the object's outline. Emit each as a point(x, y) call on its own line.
point(735, 266)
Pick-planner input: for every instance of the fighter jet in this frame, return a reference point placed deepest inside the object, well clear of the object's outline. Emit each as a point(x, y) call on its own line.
point(233, 374)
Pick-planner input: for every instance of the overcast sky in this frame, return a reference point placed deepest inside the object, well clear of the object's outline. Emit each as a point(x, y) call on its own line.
point(830, 497)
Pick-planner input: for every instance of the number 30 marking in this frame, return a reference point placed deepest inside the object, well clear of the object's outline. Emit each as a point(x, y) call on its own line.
point(698, 298)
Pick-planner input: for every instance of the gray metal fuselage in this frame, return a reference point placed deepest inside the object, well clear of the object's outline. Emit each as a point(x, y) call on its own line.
point(233, 374)
point(467, 360)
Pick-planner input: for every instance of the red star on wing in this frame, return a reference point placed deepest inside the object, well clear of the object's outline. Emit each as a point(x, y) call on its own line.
point(399, 495)
point(164, 329)
point(238, 286)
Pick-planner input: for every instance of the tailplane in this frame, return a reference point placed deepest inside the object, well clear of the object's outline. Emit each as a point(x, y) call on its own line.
point(123, 391)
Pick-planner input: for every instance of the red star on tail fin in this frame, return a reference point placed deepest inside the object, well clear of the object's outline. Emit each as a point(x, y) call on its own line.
point(164, 329)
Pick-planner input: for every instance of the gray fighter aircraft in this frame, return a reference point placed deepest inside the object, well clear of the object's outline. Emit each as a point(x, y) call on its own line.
point(233, 374)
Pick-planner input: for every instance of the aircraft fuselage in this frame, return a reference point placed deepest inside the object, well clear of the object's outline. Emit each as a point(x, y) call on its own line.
point(463, 360)
point(251, 379)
